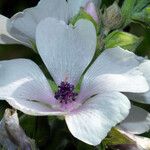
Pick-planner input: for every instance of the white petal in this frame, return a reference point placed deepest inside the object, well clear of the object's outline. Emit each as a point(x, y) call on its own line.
point(115, 60)
point(5, 37)
point(23, 24)
point(137, 122)
point(92, 121)
point(75, 5)
point(33, 108)
point(66, 50)
point(112, 61)
point(144, 97)
point(23, 79)
point(132, 81)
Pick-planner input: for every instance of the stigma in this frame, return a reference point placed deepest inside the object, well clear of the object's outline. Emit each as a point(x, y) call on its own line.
point(65, 93)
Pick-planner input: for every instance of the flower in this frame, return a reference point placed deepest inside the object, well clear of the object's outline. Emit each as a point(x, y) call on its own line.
point(67, 51)
point(21, 27)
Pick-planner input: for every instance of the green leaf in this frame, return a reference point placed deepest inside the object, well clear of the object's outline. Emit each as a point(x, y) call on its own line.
point(134, 9)
point(125, 40)
point(115, 137)
point(143, 16)
point(141, 4)
point(127, 10)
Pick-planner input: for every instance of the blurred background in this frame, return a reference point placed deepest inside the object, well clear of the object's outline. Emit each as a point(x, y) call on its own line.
point(8, 8)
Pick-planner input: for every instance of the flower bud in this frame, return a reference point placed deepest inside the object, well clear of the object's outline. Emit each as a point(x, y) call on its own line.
point(122, 39)
point(112, 17)
point(91, 10)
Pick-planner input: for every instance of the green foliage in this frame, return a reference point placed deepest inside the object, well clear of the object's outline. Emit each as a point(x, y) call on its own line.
point(115, 137)
point(135, 10)
point(141, 4)
point(143, 16)
point(36, 128)
point(53, 85)
point(127, 10)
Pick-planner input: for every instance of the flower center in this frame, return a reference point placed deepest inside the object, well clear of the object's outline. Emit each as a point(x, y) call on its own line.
point(65, 93)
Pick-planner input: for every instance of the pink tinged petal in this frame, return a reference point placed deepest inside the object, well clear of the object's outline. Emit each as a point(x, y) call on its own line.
point(23, 79)
point(91, 10)
point(137, 122)
point(34, 108)
point(143, 97)
point(93, 120)
point(142, 142)
point(66, 50)
point(23, 24)
point(5, 37)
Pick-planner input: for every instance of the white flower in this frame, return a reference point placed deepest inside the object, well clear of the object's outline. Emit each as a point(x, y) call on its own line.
point(66, 52)
point(21, 27)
